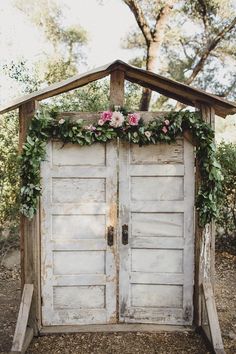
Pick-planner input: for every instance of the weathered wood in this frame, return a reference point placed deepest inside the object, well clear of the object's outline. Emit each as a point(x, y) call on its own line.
point(149, 186)
point(173, 89)
point(208, 114)
point(78, 204)
point(117, 88)
point(22, 319)
point(124, 327)
point(28, 338)
point(204, 239)
point(29, 230)
point(211, 323)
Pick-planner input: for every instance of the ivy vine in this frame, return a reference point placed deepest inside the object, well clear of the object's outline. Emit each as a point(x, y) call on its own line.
point(45, 126)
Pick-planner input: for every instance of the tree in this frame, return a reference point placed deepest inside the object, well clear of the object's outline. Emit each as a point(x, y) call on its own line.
point(188, 40)
point(67, 42)
point(152, 23)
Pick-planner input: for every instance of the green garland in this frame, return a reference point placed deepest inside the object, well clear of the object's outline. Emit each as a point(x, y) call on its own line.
point(46, 126)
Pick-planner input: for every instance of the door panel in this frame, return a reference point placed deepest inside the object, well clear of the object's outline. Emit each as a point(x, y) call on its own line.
point(157, 203)
point(79, 199)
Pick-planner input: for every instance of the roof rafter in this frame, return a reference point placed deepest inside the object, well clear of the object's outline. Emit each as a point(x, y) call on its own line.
point(168, 87)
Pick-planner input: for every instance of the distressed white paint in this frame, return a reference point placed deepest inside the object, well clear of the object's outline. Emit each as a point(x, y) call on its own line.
point(79, 297)
point(156, 260)
point(157, 154)
point(157, 203)
point(144, 188)
point(82, 157)
point(78, 202)
point(157, 224)
point(156, 295)
point(78, 226)
point(83, 190)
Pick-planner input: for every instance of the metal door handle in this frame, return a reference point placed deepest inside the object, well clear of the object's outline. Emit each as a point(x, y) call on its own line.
point(110, 235)
point(125, 234)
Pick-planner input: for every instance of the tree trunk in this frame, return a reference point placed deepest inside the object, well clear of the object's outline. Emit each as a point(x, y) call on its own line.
point(151, 65)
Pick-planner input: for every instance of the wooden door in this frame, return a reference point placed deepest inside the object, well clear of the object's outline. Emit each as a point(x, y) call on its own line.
point(156, 196)
point(78, 204)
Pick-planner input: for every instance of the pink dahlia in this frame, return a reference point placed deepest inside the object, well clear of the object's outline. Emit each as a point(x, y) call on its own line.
point(133, 118)
point(105, 116)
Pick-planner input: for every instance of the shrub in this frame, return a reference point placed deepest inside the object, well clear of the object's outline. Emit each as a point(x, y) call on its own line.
point(226, 222)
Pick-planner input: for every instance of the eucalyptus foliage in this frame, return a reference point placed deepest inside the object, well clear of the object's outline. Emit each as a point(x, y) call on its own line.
point(45, 126)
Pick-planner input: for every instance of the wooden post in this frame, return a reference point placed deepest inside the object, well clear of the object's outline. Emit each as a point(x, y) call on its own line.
point(29, 230)
point(22, 336)
point(117, 88)
point(210, 325)
point(208, 114)
point(205, 238)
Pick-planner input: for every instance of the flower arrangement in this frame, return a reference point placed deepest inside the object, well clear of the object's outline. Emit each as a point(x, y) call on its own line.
point(129, 127)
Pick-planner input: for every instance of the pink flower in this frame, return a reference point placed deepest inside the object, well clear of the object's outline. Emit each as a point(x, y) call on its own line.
point(148, 133)
point(165, 130)
point(90, 127)
point(133, 118)
point(167, 122)
point(106, 116)
point(117, 119)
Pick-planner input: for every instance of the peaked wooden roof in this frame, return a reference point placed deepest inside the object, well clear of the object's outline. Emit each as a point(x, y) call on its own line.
point(183, 93)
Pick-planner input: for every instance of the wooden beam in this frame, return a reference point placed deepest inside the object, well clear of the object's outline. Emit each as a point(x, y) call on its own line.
point(29, 230)
point(170, 88)
point(124, 327)
point(117, 88)
point(22, 320)
point(26, 113)
point(211, 323)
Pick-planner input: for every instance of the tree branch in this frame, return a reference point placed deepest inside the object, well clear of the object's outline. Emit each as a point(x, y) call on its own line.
point(140, 18)
point(161, 20)
point(203, 12)
point(210, 47)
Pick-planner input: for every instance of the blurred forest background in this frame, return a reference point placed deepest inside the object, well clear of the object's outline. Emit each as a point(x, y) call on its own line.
point(193, 42)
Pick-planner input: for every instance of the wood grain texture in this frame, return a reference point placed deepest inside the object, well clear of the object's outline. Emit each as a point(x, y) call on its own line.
point(22, 319)
point(211, 323)
point(30, 231)
point(156, 266)
point(170, 88)
point(117, 88)
point(204, 239)
point(78, 268)
point(158, 154)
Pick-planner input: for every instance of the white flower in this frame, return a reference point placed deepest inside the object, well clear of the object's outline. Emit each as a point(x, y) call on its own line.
point(101, 122)
point(148, 133)
point(61, 121)
point(117, 119)
point(117, 108)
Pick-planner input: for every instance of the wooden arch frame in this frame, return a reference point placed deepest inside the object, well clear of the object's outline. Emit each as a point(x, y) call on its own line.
point(207, 103)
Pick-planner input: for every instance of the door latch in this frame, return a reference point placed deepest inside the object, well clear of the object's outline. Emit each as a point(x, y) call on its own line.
point(110, 235)
point(125, 234)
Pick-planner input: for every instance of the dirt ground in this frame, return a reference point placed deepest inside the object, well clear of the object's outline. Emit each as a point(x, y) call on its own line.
point(125, 343)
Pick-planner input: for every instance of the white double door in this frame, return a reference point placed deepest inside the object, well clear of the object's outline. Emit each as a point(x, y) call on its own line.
point(117, 234)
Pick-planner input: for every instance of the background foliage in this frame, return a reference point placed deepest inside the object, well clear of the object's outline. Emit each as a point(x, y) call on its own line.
point(226, 155)
point(9, 170)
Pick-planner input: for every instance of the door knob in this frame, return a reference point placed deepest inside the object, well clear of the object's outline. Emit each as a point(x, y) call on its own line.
point(125, 234)
point(110, 235)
